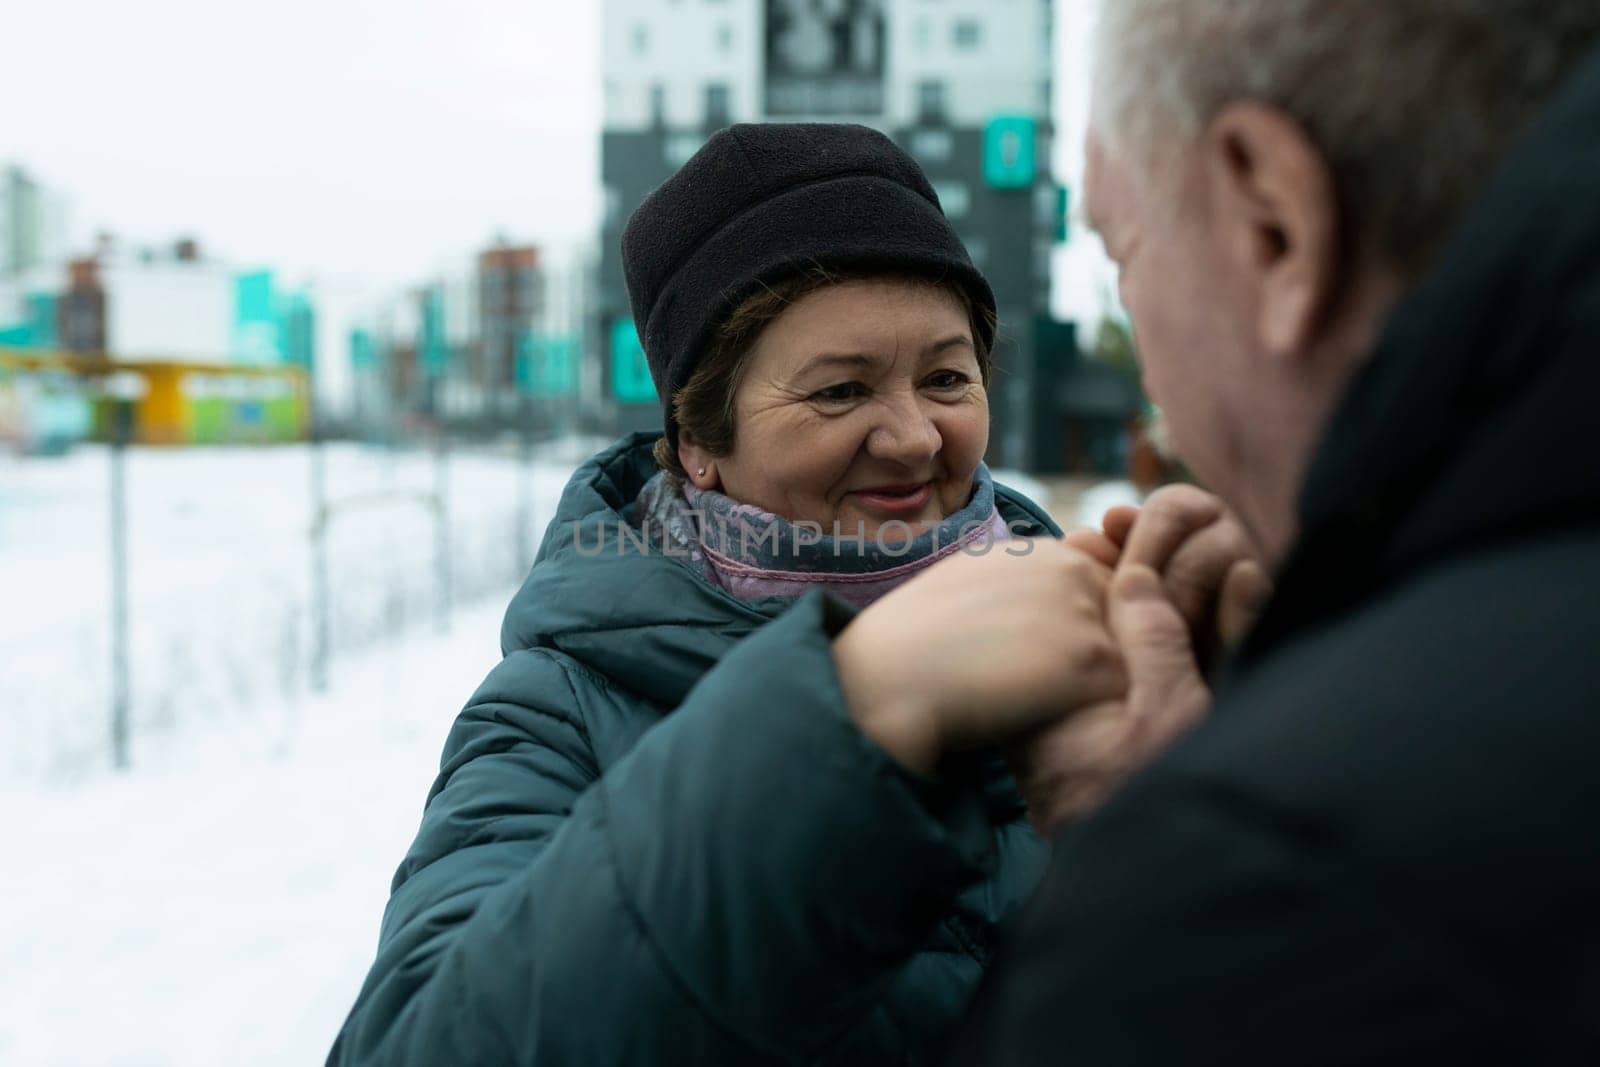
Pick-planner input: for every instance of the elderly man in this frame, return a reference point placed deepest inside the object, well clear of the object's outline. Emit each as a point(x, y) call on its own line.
point(1360, 244)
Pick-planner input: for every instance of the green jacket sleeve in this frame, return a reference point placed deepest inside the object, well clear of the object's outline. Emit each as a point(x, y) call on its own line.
point(740, 887)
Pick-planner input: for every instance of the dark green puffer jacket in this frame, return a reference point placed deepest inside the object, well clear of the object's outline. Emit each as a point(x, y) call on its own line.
point(657, 838)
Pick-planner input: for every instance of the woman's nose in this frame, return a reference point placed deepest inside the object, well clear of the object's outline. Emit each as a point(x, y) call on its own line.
point(905, 434)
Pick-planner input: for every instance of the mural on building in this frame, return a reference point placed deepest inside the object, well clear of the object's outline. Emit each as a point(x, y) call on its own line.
point(825, 57)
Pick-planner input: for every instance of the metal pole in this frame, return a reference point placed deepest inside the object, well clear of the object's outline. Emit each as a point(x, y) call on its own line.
point(121, 430)
point(525, 516)
point(441, 526)
point(320, 626)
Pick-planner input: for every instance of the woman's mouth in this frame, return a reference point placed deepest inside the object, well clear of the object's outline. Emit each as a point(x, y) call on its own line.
point(897, 499)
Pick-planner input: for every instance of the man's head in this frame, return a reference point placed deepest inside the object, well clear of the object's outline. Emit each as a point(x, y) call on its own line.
point(1271, 175)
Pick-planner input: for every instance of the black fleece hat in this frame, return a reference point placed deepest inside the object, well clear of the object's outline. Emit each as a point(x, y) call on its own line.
point(759, 202)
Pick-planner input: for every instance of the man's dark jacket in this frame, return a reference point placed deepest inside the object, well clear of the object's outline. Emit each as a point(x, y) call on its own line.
point(1384, 846)
point(657, 838)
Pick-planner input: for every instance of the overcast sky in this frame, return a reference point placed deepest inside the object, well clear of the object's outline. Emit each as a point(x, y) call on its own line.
point(369, 142)
point(371, 139)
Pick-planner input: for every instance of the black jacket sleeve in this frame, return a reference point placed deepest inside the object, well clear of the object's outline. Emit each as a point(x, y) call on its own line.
point(1185, 925)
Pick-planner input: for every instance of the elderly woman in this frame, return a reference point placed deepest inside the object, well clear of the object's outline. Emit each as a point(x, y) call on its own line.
point(684, 820)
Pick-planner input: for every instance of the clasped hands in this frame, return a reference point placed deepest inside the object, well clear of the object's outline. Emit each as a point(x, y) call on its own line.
point(1080, 660)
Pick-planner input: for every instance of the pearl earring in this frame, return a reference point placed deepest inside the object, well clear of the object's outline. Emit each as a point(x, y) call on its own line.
point(701, 473)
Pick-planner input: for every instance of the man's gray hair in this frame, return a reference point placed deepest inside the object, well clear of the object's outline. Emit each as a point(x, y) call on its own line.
point(1412, 102)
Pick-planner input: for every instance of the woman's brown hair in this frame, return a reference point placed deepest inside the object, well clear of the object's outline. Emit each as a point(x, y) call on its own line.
point(703, 407)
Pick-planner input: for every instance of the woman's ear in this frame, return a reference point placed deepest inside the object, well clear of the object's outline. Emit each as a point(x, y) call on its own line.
point(699, 464)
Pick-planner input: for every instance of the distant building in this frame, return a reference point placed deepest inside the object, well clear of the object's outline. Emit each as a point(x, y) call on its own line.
point(298, 331)
point(963, 85)
point(243, 310)
point(32, 224)
point(174, 305)
point(81, 309)
point(369, 405)
point(28, 312)
point(491, 342)
point(511, 306)
point(32, 255)
point(405, 381)
point(175, 310)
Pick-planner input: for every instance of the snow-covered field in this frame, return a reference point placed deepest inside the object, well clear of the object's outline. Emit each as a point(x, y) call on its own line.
point(219, 902)
point(220, 568)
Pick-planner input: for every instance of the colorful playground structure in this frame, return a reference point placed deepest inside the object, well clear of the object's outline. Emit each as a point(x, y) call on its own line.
point(50, 400)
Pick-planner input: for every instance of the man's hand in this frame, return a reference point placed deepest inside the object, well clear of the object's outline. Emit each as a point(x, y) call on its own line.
point(1185, 578)
point(1066, 769)
point(980, 652)
point(1207, 563)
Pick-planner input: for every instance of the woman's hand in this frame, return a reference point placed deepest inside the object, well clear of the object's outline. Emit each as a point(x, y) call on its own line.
point(980, 652)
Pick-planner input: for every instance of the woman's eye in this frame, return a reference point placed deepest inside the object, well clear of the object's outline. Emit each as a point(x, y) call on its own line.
point(837, 394)
point(948, 379)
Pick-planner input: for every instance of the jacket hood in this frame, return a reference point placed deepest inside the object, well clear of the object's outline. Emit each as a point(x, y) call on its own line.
point(642, 620)
point(1465, 428)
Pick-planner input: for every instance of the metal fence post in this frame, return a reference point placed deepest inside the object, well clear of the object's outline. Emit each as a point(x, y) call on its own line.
point(441, 527)
point(320, 594)
point(525, 516)
point(121, 431)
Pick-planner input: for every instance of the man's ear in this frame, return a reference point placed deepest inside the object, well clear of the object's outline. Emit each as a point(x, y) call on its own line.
point(700, 464)
point(1273, 195)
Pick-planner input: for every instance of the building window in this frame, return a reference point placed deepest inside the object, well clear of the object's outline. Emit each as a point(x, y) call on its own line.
point(1044, 205)
point(725, 38)
point(955, 198)
point(658, 105)
point(932, 146)
point(978, 249)
point(930, 101)
point(967, 34)
point(719, 108)
point(641, 39)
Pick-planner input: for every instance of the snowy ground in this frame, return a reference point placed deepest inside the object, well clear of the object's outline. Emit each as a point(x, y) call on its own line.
point(219, 902)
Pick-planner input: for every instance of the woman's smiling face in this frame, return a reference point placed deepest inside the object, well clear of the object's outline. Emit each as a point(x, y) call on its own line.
point(862, 404)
